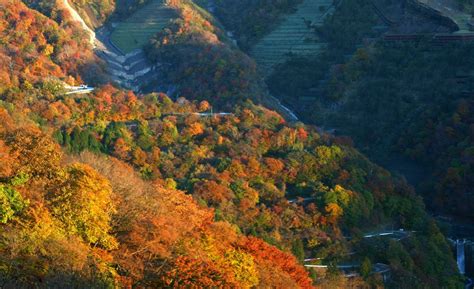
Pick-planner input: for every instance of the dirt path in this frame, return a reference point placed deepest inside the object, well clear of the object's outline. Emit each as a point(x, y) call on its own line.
point(78, 18)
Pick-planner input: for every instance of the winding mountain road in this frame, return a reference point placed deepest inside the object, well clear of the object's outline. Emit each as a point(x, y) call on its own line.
point(350, 270)
point(448, 8)
point(131, 69)
point(128, 70)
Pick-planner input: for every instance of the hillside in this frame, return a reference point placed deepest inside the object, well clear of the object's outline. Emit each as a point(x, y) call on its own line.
point(375, 83)
point(95, 12)
point(91, 221)
point(136, 30)
point(201, 189)
point(248, 20)
point(466, 5)
point(293, 36)
point(372, 97)
point(463, 19)
point(201, 63)
point(100, 214)
point(431, 127)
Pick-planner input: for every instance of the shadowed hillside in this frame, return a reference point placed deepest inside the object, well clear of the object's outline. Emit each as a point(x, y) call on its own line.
point(294, 36)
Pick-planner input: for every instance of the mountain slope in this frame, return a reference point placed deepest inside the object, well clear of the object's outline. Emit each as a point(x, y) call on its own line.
point(136, 30)
point(90, 221)
point(293, 36)
point(119, 212)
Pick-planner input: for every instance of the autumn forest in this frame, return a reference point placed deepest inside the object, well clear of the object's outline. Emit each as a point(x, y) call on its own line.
point(186, 144)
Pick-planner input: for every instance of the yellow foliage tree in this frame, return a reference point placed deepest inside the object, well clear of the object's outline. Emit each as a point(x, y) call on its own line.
point(84, 206)
point(243, 265)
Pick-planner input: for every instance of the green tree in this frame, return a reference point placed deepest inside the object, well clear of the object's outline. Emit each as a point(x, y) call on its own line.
point(297, 249)
point(11, 203)
point(366, 268)
point(144, 138)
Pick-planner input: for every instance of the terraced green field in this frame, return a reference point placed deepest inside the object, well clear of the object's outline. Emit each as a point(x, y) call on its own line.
point(292, 36)
point(135, 32)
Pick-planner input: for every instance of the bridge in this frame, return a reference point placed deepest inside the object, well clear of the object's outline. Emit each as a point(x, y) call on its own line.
point(81, 89)
point(350, 270)
point(395, 234)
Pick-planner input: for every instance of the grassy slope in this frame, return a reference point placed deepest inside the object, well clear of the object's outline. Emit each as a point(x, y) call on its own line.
point(292, 36)
point(135, 32)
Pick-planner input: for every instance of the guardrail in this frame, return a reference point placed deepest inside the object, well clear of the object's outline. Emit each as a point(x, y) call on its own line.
point(435, 38)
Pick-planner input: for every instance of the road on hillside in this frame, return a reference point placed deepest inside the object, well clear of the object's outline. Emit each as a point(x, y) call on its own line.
point(76, 17)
